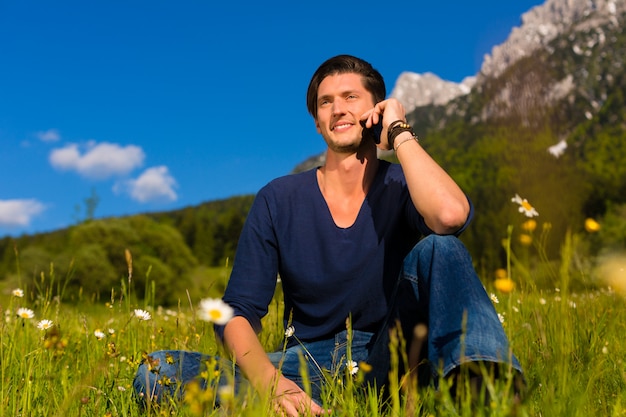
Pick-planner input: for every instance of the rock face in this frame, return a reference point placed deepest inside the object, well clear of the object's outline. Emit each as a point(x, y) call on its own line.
point(564, 61)
point(540, 25)
point(543, 23)
point(416, 90)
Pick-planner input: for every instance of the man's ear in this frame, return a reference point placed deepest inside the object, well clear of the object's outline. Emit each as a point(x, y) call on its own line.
point(317, 126)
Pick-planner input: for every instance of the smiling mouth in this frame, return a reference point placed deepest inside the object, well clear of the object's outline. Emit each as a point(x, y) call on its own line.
point(342, 126)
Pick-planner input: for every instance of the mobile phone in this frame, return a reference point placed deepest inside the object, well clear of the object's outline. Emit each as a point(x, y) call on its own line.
point(373, 132)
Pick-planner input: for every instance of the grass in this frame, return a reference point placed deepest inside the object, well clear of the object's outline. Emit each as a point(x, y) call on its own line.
point(570, 343)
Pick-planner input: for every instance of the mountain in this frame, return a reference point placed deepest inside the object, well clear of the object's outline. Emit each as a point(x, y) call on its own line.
point(563, 63)
point(581, 27)
point(544, 23)
point(416, 90)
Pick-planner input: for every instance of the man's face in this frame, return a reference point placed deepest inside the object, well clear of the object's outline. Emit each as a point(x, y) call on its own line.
point(341, 100)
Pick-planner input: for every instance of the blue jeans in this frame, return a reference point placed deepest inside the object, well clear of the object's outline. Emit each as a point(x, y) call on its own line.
point(437, 286)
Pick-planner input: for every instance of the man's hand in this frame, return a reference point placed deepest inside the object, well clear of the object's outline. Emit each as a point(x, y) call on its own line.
point(385, 112)
point(289, 400)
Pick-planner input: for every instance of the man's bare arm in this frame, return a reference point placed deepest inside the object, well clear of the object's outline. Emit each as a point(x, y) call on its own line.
point(248, 353)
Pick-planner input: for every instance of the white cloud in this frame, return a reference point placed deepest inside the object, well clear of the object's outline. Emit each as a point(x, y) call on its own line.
point(19, 212)
point(99, 161)
point(154, 184)
point(50, 135)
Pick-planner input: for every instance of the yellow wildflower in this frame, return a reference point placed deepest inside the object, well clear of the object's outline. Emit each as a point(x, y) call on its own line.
point(529, 225)
point(501, 273)
point(505, 285)
point(591, 225)
point(525, 239)
point(365, 367)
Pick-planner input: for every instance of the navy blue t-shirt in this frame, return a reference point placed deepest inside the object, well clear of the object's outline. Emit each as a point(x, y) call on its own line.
point(328, 273)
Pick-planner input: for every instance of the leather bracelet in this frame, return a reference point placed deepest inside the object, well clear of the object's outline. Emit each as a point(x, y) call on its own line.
point(395, 129)
point(394, 124)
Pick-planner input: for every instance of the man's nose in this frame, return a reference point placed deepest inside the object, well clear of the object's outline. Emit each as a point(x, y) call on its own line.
point(339, 107)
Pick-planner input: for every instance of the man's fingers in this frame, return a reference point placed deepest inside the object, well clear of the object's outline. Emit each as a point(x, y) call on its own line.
point(295, 404)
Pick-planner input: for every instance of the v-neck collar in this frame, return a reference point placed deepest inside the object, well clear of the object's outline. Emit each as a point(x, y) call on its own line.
point(382, 167)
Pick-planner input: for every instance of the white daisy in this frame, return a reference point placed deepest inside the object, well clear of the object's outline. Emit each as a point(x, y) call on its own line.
point(18, 292)
point(142, 314)
point(25, 313)
point(99, 334)
point(226, 393)
point(44, 324)
point(352, 367)
point(215, 310)
point(524, 206)
point(290, 331)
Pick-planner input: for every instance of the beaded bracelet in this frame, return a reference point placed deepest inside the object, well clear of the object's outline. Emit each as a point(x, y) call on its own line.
point(394, 124)
point(395, 129)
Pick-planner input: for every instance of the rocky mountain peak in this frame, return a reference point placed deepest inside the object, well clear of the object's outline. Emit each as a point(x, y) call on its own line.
point(540, 25)
point(415, 90)
point(543, 23)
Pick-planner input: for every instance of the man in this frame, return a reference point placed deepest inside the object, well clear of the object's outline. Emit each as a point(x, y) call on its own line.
point(358, 241)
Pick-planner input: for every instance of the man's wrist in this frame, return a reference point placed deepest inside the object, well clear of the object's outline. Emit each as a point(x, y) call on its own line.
point(404, 137)
point(396, 129)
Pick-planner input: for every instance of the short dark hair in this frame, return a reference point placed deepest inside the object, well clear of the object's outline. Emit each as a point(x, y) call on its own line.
point(345, 64)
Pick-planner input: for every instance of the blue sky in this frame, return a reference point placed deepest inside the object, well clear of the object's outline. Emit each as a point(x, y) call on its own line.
point(158, 105)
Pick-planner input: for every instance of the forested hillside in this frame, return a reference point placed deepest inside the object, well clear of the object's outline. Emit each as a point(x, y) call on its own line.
point(89, 258)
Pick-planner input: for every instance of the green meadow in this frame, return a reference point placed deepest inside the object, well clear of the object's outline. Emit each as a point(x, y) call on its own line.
point(565, 318)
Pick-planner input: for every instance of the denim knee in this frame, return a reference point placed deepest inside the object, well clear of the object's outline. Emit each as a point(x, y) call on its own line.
point(463, 324)
point(164, 373)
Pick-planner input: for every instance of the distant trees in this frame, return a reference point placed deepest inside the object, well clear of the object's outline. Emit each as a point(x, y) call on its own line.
point(211, 230)
point(601, 153)
point(90, 257)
